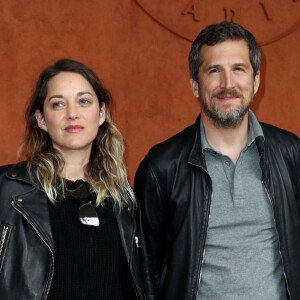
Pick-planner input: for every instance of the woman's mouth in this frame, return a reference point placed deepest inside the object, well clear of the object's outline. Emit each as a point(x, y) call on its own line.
point(74, 128)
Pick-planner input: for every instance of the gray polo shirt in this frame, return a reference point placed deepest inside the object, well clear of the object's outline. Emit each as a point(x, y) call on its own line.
point(242, 259)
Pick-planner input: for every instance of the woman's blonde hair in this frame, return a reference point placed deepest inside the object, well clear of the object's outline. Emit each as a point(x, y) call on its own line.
point(105, 171)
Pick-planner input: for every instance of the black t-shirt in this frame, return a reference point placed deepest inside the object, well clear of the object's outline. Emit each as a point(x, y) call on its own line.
point(89, 262)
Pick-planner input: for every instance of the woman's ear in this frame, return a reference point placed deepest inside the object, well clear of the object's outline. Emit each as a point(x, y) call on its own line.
point(40, 120)
point(102, 114)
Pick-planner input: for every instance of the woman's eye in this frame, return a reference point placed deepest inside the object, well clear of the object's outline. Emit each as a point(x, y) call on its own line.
point(57, 105)
point(84, 101)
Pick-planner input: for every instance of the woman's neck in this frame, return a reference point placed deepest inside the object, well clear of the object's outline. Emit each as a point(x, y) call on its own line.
point(75, 164)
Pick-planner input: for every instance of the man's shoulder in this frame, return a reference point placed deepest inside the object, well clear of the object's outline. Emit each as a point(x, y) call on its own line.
point(176, 146)
point(165, 158)
point(282, 143)
point(278, 136)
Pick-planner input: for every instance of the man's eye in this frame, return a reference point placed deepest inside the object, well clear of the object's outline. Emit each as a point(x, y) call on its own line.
point(239, 69)
point(213, 71)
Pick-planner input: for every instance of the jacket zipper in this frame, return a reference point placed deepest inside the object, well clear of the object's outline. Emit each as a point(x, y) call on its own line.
point(41, 237)
point(136, 293)
point(201, 266)
point(202, 260)
point(136, 241)
point(3, 236)
point(272, 204)
point(137, 246)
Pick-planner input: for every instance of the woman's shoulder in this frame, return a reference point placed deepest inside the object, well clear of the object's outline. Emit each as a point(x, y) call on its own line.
point(18, 170)
point(5, 169)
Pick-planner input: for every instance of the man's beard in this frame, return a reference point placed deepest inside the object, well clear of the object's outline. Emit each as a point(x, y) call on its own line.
point(228, 119)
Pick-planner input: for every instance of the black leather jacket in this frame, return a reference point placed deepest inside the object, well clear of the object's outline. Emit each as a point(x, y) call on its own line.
point(27, 260)
point(174, 190)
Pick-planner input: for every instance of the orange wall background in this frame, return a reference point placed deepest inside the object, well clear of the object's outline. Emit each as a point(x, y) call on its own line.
point(143, 64)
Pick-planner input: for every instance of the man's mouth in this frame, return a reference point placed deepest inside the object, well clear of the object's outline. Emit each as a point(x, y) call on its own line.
point(227, 95)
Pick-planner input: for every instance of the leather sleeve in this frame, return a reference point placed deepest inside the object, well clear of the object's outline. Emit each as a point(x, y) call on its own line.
point(298, 193)
point(152, 228)
point(298, 186)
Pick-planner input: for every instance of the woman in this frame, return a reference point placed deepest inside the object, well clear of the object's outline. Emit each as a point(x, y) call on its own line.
point(67, 214)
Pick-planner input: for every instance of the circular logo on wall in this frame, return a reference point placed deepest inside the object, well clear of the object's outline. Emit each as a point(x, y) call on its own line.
point(268, 20)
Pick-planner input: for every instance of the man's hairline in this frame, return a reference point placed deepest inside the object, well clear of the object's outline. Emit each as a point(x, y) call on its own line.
point(219, 42)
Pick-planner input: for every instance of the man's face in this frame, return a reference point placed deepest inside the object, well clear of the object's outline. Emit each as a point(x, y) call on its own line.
point(226, 86)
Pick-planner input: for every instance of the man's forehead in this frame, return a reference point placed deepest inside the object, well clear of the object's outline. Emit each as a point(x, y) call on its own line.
point(235, 51)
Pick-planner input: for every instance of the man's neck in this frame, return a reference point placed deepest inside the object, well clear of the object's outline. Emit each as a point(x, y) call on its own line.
point(228, 141)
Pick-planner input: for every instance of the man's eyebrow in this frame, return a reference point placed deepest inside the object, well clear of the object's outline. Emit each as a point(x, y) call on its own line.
point(241, 65)
point(217, 66)
point(213, 67)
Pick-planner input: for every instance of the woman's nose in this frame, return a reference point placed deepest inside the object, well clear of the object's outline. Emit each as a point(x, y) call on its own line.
point(72, 112)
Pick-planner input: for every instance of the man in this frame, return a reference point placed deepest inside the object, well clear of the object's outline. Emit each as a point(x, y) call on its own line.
point(220, 201)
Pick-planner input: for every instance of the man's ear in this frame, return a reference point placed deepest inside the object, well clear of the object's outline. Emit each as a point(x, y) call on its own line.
point(195, 88)
point(102, 114)
point(256, 82)
point(40, 120)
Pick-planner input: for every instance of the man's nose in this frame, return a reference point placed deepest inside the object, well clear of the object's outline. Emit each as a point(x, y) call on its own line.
point(227, 81)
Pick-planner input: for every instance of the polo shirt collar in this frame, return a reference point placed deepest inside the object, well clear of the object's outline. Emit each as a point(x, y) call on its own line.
point(255, 131)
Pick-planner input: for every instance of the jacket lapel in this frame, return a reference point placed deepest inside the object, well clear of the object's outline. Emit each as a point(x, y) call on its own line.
point(31, 202)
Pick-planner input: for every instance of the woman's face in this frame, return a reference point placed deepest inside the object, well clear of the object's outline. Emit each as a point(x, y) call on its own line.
point(72, 113)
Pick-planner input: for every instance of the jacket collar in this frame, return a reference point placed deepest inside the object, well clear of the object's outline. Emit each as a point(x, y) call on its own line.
point(31, 201)
point(196, 156)
point(19, 172)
